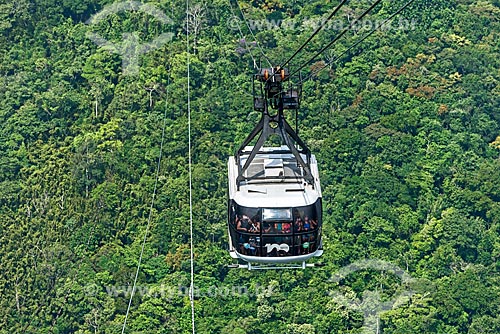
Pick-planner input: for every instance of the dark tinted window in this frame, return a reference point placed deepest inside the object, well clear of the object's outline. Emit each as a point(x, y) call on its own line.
point(275, 232)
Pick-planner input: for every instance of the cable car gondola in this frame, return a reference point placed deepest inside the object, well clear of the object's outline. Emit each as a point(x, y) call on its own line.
point(274, 207)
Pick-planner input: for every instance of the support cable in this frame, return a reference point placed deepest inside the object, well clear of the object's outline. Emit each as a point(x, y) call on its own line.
point(359, 41)
point(314, 33)
point(150, 208)
point(191, 287)
point(253, 35)
point(243, 37)
point(342, 33)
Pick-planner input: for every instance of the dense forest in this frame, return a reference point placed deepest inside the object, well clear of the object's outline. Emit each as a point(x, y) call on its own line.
point(405, 128)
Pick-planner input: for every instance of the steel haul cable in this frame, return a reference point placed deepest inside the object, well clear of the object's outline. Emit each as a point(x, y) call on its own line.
point(360, 41)
point(342, 33)
point(315, 32)
point(191, 288)
point(253, 35)
point(243, 37)
point(150, 210)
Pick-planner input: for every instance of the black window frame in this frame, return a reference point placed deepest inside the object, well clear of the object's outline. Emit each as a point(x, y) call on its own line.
point(294, 240)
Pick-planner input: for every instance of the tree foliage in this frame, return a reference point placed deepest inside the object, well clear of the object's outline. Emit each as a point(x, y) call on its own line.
point(405, 128)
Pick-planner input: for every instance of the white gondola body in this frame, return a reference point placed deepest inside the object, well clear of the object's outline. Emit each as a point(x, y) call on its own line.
point(275, 190)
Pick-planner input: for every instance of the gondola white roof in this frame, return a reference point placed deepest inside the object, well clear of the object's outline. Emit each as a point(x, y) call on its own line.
point(273, 180)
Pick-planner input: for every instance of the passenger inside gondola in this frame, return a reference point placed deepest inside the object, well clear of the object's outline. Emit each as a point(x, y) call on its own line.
point(314, 224)
point(307, 224)
point(254, 227)
point(287, 228)
point(299, 225)
point(243, 223)
point(249, 249)
point(278, 228)
point(267, 227)
point(274, 233)
point(254, 246)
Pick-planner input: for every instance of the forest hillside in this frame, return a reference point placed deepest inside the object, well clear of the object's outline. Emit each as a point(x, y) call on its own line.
point(405, 127)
